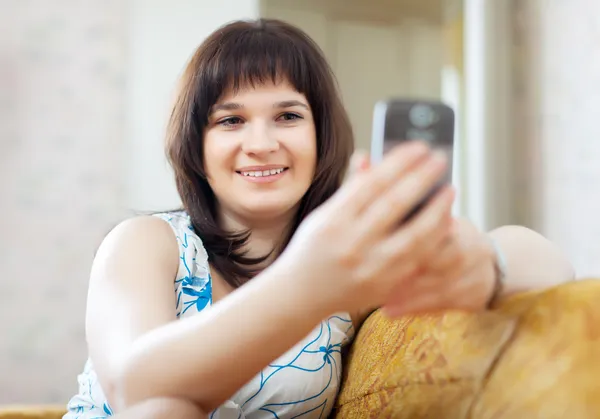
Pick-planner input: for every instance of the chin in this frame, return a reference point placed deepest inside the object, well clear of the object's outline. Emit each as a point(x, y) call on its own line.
point(269, 208)
point(266, 211)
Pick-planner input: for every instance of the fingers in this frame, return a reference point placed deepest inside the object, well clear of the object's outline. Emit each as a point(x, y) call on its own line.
point(431, 293)
point(465, 250)
point(386, 212)
point(455, 278)
point(362, 191)
point(403, 256)
point(427, 293)
point(424, 234)
point(443, 263)
point(449, 256)
point(412, 302)
point(431, 228)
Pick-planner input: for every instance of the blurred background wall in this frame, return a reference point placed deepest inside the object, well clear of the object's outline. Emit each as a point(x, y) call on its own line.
point(63, 70)
point(85, 89)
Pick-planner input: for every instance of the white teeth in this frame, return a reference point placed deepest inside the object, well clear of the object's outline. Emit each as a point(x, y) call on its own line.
point(270, 172)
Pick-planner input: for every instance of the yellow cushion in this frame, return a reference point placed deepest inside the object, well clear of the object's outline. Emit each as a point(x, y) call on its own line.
point(535, 356)
point(32, 412)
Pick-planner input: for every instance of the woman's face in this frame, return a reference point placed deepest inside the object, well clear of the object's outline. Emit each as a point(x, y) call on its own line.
point(260, 151)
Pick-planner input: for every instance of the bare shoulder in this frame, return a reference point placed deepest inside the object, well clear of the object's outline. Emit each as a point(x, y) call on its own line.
point(140, 234)
point(138, 258)
point(140, 250)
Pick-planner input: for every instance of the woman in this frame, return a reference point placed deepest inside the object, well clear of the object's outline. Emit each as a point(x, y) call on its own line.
point(274, 263)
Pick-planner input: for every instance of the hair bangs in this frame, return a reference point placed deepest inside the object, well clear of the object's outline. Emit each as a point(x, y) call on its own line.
point(253, 58)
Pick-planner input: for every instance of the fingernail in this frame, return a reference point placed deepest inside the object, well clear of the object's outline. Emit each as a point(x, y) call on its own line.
point(364, 164)
point(359, 161)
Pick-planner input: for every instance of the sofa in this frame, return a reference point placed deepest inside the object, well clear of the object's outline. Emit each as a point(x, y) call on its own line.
point(537, 355)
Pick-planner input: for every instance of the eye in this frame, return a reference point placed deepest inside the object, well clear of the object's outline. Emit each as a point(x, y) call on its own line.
point(230, 121)
point(289, 116)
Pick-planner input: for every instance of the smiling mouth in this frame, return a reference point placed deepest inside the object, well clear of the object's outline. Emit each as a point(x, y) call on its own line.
point(262, 173)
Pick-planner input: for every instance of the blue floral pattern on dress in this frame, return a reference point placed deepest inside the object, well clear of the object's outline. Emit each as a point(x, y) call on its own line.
point(301, 383)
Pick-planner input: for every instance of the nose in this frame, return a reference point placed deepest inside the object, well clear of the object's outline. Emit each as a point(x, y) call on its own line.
point(259, 139)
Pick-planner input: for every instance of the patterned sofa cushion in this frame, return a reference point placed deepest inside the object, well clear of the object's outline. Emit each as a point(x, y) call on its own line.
point(535, 356)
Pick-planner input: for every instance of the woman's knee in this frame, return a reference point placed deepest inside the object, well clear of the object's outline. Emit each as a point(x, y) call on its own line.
point(163, 408)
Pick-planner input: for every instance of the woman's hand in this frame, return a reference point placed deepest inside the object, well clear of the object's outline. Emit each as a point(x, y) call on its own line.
point(354, 252)
point(460, 276)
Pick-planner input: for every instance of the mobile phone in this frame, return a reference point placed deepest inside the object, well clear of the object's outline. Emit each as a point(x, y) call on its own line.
point(397, 120)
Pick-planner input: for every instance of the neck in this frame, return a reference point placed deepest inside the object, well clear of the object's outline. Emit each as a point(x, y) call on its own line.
point(266, 236)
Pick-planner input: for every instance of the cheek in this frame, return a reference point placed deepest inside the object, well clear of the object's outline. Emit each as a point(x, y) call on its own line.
point(217, 156)
point(311, 161)
point(305, 151)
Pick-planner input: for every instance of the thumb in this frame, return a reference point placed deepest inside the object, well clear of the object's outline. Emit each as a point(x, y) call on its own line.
point(359, 162)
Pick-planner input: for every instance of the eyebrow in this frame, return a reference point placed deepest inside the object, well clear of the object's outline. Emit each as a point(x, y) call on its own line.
point(232, 106)
point(290, 104)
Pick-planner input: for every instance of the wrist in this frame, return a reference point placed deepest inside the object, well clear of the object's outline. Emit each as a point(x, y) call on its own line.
point(299, 289)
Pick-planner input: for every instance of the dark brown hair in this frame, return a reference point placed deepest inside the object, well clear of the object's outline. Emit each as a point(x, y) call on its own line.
point(236, 55)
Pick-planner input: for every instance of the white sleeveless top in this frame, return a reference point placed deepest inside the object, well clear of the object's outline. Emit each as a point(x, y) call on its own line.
point(303, 382)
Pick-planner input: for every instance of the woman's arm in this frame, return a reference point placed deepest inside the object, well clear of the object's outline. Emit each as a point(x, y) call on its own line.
point(532, 261)
point(139, 352)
